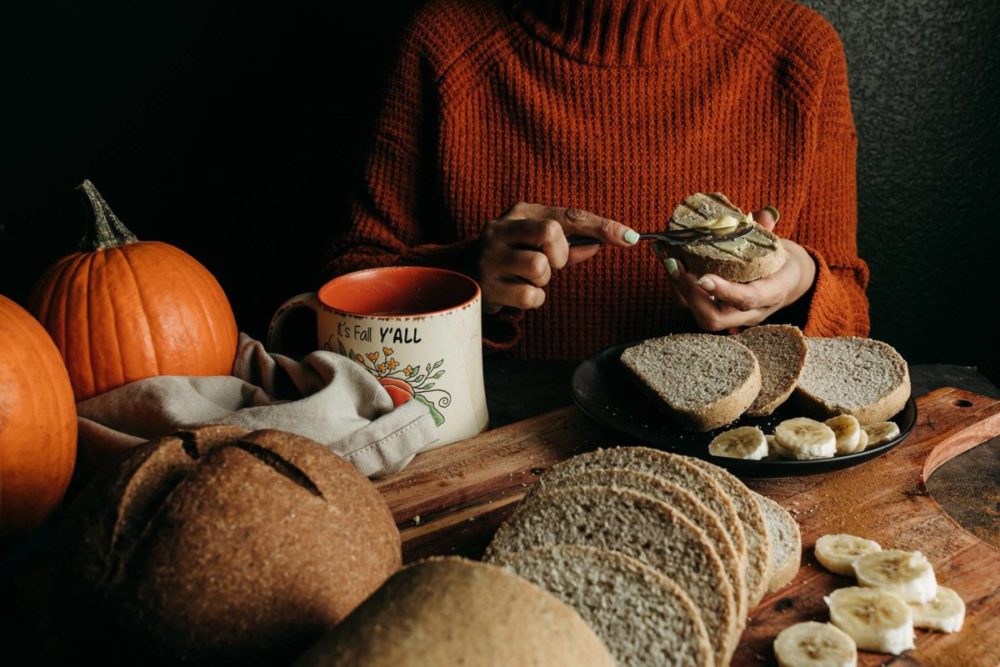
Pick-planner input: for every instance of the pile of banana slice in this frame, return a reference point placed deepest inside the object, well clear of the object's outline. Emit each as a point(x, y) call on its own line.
point(896, 591)
point(802, 438)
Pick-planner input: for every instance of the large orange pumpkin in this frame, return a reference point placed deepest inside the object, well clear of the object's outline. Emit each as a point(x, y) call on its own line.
point(37, 422)
point(123, 309)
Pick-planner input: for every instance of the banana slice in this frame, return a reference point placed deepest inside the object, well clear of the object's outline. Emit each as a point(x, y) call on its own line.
point(804, 438)
point(837, 552)
point(945, 612)
point(908, 574)
point(879, 432)
point(876, 620)
point(745, 442)
point(863, 440)
point(813, 644)
point(847, 430)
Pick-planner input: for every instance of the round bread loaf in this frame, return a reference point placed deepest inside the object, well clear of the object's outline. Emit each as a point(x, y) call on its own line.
point(218, 546)
point(677, 498)
point(638, 526)
point(451, 611)
point(704, 381)
point(644, 617)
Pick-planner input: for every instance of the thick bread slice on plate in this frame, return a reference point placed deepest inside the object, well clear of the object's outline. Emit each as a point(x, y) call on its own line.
point(678, 498)
point(705, 381)
point(638, 526)
point(855, 376)
point(786, 543)
point(754, 525)
point(643, 616)
point(781, 353)
point(756, 255)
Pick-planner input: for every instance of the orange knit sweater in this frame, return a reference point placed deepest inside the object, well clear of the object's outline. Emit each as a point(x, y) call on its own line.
point(620, 107)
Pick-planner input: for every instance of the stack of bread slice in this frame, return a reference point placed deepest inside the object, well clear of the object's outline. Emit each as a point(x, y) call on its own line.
point(663, 555)
point(707, 381)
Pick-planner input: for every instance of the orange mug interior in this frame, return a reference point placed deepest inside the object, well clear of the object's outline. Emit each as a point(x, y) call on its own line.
point(399, 291)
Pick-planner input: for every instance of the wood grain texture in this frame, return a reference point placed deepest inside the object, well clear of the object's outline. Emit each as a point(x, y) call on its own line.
point(451, 499)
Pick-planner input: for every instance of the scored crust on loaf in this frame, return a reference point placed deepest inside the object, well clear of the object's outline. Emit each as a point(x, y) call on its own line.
point(643, 616)
point(452, 611)
point(678, 498)
point(756, 255)
point(167, 547)
point(668, 467)
point(705, 381)
point(754, 524)
point(638, 526)
point(786, 543)
point(856, 376)
point(781, 353)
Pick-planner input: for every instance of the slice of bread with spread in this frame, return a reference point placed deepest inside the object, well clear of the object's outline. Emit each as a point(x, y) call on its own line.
point(855, 376)
point(705, 381)
point(745, 259)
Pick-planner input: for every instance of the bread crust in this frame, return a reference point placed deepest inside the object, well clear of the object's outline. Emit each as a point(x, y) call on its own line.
point(453, 611)
point(219, 546)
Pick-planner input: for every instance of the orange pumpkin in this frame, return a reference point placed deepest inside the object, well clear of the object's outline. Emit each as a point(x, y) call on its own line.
point(37, 422)
point(122, 309)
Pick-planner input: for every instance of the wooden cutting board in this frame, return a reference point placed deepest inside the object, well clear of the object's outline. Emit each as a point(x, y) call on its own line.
point(450, 500)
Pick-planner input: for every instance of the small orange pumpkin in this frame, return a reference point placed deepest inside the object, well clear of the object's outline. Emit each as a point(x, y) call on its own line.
point(37, 422)
point(122, 310)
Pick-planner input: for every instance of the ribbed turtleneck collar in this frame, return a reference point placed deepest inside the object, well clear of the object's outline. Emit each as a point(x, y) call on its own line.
point(617, 32)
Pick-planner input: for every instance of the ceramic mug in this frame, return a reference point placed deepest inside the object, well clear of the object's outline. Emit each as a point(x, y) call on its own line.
point(418, 330)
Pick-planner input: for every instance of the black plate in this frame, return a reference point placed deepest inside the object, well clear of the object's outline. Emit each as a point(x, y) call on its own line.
point(606, 392)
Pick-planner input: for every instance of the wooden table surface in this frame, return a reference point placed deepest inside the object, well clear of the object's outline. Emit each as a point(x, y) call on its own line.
point(450, 501)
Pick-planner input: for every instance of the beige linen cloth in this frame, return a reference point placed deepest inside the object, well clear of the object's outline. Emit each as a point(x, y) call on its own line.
point(326, 397)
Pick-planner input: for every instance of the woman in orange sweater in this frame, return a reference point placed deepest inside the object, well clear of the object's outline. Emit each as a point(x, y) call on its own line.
point(602, 115)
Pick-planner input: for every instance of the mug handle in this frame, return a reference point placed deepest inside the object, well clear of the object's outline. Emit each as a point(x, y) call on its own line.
point(304, 300)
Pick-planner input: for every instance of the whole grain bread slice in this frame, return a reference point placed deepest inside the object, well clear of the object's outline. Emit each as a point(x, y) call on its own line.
point(781, 353)
point(756, 255)
point(641, 615)
point(754, 524)
point(704, 381)
point(668, 467)
point(678, 498)
point(638, 526)
point(855, 376)
point(786, 543)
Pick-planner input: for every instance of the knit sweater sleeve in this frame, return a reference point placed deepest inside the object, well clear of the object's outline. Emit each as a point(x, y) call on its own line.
point(397, 218)
point(836, 304)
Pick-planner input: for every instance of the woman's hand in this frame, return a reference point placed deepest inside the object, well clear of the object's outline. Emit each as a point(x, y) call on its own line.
point(719, 304)
point(519, 250)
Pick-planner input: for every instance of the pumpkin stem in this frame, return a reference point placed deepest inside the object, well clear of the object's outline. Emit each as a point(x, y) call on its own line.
point(107, 230)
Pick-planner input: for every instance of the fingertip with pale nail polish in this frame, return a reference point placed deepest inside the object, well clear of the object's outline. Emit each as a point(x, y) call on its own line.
point(631, 236)
point(671, 265)
point(705, 283)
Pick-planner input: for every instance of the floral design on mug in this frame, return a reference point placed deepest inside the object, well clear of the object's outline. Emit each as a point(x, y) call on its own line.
point(406, 382)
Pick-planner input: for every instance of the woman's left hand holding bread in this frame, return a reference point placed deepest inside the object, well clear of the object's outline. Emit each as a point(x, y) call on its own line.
point(718, 304)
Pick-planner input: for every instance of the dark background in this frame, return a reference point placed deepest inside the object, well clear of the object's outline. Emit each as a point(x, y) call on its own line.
point(234, 130)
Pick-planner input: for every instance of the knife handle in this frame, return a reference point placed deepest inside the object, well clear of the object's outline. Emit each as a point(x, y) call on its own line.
point(578, 241)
